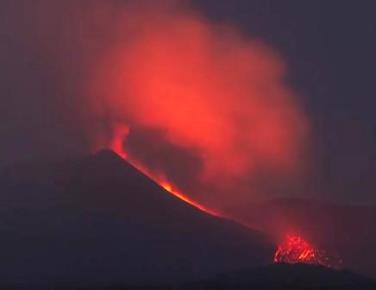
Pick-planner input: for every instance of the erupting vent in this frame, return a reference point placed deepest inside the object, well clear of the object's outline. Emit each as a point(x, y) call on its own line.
point(294, 249)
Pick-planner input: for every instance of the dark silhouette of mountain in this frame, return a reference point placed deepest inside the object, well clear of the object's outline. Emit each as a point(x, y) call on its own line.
point(347, 231)
point(99, 221)
point(284, 276)
point(272, 277)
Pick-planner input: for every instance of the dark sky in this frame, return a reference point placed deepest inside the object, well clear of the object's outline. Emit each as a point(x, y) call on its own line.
point(329, 47)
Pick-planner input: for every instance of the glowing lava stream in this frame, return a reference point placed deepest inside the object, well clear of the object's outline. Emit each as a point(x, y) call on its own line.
point(117, 147)
point(170, 188)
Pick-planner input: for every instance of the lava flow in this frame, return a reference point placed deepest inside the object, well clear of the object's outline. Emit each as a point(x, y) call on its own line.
point(118, 148)
point(294, 249)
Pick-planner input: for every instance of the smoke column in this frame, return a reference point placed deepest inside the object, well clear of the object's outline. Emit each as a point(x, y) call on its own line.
point(195, 103)
point(198, 104)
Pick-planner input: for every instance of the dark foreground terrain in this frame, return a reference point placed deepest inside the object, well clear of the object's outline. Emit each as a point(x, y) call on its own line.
point(273, 277)
point(98, 220)
point(284, 276)
point(97, 224)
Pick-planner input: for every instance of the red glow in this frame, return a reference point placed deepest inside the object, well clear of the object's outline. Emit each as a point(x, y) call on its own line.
point(168, 187)
point(118, 147)
point(294, 249)
point(117, 144)
point(209, 89)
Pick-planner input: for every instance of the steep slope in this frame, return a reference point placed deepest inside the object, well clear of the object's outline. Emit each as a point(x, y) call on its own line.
point(98, 220)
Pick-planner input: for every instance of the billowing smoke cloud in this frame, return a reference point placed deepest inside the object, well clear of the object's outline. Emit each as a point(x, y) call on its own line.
point(214, 112)
point(191, 100)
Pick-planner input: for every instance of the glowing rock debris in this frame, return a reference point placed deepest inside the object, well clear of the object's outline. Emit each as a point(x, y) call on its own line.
point(294, 249)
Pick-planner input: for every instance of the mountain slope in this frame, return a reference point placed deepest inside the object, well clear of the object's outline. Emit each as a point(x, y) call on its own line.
point(99, 220)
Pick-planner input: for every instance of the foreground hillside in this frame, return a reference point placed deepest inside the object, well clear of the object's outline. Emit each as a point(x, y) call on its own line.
point(101, 221)
point(273, 277)
point(284, 276)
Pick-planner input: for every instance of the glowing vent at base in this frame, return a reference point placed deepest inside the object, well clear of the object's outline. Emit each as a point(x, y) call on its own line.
point(294, 249)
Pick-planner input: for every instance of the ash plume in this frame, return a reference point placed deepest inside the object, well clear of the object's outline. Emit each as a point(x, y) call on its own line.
point(203, 104)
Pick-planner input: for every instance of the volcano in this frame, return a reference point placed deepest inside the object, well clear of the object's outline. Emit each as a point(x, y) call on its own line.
point(99, 220)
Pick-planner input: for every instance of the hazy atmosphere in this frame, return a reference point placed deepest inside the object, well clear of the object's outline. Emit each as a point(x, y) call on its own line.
point(60, 95)
point(185, 144)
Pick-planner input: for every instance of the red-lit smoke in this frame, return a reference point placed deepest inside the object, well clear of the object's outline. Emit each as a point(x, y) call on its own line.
point(206, 89)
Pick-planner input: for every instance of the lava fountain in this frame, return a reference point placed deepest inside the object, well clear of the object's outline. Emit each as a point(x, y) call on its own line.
point(294, 249)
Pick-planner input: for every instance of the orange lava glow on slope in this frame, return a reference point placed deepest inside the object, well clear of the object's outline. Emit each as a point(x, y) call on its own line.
point(168, 187)
point(118, 148)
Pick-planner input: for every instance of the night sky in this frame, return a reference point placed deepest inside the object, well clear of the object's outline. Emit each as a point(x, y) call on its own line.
point(329, 47)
